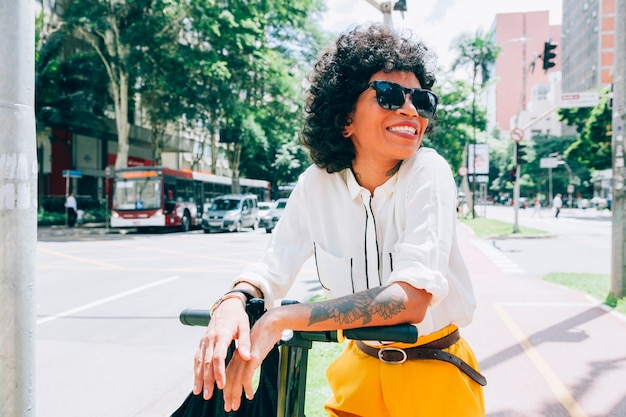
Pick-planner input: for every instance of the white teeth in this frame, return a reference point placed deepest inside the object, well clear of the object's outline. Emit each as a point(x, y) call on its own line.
point(403, 129)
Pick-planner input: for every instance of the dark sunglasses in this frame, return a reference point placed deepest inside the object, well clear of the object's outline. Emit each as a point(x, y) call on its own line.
point(392, 96)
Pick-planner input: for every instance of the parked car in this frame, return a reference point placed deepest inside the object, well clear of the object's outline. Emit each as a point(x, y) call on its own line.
point(268, 222)
point(265, 207)
point(231, 212)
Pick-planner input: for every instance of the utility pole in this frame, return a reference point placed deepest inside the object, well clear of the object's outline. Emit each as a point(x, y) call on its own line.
point(618, 207)
point(18, 208)
point(517, 134)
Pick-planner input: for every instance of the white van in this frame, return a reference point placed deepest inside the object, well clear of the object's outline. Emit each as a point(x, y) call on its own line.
point(231, 212)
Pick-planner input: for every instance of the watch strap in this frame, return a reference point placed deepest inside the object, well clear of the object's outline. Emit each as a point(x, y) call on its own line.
point(248, 295)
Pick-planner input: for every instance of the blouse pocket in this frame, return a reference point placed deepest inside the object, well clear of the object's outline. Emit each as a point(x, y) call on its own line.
point(334, 274)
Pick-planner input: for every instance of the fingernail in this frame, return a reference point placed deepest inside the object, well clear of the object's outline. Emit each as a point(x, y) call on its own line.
point(206, 392)
point(195, 388)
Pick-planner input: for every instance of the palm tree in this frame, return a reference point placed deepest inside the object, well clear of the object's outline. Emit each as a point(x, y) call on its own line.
point(479, 52)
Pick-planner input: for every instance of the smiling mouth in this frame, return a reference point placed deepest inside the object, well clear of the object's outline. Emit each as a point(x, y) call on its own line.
point(404, 129)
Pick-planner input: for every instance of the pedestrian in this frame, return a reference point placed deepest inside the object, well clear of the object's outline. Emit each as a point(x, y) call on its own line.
point(377, 211)
point(557, 203)
point(536, 207)
point(71, 208)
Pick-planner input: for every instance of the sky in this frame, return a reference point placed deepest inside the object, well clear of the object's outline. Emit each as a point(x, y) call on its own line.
point(436, 22)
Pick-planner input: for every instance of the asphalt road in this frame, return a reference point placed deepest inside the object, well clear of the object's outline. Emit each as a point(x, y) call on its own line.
point(580, 241)
point(109, 342)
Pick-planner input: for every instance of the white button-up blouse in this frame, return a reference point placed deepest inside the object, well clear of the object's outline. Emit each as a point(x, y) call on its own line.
point(405, 232)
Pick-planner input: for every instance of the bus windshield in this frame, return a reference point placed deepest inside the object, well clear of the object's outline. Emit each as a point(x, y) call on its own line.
point(137, 194)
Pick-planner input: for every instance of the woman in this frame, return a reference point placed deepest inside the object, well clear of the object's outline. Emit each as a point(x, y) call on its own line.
point(378, 214)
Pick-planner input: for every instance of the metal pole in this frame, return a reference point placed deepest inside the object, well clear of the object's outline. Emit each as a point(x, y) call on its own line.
point(18, 208)
point(618, 267)
point(516, 195)
point(550, 187)
point(386, 8)
point(522, 106)
point(570, 176)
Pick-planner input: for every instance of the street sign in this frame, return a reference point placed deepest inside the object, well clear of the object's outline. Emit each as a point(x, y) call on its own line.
point(548, 162)
point(517, 134)
point(462, 171)
point(70, 173)
point(478, 159)
point(584, 99)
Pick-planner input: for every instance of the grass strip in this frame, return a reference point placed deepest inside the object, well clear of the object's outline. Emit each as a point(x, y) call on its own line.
point(317, 389)
point(596, 285)
point(484, 227)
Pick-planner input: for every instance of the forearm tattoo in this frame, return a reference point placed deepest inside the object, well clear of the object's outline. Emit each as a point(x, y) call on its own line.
point(361, 306)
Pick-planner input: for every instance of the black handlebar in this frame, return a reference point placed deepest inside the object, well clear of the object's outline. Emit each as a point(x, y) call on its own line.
point(406, 333)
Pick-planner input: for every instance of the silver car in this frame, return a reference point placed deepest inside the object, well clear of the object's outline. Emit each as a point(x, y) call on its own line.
point(268, 222)
point(231, 212)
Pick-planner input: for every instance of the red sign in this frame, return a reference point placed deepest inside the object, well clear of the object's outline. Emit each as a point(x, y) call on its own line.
point(517, 134)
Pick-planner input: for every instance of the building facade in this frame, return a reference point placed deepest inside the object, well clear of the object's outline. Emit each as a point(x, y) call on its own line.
point(83, 142)
point(518, 74)
point(588, 44)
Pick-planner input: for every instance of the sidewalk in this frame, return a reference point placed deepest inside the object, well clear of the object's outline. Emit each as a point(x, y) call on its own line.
point(546, 350)
point(83, 229)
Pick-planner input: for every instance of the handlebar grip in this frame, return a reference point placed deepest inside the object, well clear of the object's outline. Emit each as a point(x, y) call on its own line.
point(405, 333)
point(191, 317)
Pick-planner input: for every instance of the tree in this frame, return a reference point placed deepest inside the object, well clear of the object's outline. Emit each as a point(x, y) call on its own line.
point(203, 65)
point(117, 32)
point(247, 58)
point(592, 149)
point(479, 52)
point(454, 123)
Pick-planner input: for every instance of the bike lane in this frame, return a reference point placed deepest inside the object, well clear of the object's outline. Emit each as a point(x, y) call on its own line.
point(545, 350)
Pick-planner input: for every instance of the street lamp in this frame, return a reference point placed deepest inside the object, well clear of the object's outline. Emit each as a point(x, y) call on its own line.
point(386, 7)
point(570, 185)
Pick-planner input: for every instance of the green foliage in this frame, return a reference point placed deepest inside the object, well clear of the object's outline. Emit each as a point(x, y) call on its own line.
point(199, 65)
point(535, 179)
point(453, 126)
point(592, 149)
point(246, 62)
point(47, 218)
point(479, 52)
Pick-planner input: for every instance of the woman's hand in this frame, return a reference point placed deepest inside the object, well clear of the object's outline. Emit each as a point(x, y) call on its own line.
point(229, 322)
point(265, 333)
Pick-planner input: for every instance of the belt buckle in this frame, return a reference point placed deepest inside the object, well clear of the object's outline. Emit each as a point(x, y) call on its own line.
point(381, 353)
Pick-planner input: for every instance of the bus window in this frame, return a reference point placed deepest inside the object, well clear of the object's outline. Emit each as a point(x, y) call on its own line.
point(142, 194)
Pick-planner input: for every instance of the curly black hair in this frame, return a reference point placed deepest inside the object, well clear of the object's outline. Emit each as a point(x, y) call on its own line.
point(342, 73)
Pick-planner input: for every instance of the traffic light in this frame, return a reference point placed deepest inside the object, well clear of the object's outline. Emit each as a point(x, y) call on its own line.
point(400, 6)
point(520, 153)
point(548, 55)
point(512, 175)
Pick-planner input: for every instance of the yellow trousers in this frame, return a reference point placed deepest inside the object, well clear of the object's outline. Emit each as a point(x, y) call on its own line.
point(364, 386)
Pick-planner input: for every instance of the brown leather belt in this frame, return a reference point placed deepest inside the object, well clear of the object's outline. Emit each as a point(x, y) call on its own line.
point(432, 350)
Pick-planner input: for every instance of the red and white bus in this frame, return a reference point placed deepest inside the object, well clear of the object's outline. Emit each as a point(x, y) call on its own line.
point(152, 197)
